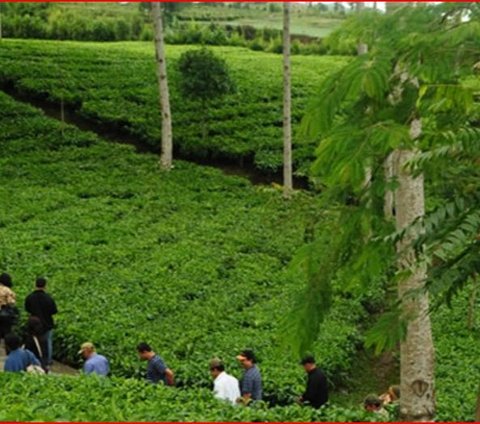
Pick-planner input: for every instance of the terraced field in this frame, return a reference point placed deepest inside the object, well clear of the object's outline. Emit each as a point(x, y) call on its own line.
point(115, 83)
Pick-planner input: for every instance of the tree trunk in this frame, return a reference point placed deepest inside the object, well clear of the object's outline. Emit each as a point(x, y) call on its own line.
point(417, 402)
point(388, 196)
point(167, 147)
point(362, 48)
point(287, 99)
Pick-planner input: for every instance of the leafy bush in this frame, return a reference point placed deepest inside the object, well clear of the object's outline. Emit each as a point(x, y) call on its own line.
point(54, 398)
point(204, 76)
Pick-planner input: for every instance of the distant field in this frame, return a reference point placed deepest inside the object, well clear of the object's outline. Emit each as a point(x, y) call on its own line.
point(304, 21)
point(115, 83)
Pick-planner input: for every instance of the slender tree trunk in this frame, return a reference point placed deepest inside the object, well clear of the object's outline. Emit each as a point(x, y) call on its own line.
point(417, 401)
point(167, 145)
point(287, 100)
point(362, 48)
point(388, 197)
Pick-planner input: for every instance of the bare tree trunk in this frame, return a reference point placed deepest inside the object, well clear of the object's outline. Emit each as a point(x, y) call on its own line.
point(417, 402)
point(362, 48)
point(388, 197)
point(287, 100)
point(167, 145)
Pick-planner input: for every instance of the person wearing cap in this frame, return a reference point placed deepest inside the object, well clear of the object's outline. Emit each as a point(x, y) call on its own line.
point(94, 363)
point(157, 370)
point(316, 393)
point(225, 386)
point(251, 383)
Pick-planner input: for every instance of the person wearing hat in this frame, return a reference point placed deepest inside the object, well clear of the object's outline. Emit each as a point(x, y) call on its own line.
point(316, 393)
point(225, 386)
point(94, 363)
point(251, 383)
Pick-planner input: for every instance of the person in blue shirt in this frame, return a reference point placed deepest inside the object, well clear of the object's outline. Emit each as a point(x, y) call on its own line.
point(251, 383)
point(94, 363)
point(18, 359)
point(157, 370)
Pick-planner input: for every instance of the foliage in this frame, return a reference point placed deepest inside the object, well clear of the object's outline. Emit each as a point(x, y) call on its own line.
point(186, 24)
point(191, 262)
point(115, 85)
point(367, 108)
point(55, 398)
point(204, 76)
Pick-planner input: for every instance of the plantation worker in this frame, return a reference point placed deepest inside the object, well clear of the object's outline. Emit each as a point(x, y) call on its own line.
point(225, 386)
point(316, 393)
point(157, 370)
point(8, 310)
point(251, 383)
point(94, 363)
point(18, 359)
point(373, 403)
point(40, 304)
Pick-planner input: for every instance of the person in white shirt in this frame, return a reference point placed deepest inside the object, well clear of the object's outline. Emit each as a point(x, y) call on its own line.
point(226, 387)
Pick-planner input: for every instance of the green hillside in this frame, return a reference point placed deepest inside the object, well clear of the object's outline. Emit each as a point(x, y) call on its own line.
point(115, 83)
point(191, 261)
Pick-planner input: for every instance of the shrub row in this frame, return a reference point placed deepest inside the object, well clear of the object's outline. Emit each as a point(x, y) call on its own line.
point(192, 262)
point(116, 84)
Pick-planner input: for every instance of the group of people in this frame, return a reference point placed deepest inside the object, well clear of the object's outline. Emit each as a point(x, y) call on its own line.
point(36, 348)
point(36, 351)
point(226, 387)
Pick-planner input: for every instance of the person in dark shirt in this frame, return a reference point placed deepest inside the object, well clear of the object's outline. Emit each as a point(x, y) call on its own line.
point(316, 393)
point(36, 342)
point(40, 304)
point(157, 370)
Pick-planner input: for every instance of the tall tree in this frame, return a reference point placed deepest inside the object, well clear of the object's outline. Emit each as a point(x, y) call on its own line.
point(416, 350)
point(166, 156)
point(287, 101)
point(406, 97)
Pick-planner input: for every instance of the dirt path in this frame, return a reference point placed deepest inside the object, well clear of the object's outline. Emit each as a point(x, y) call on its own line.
point(56, 368)
point(242, 167)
